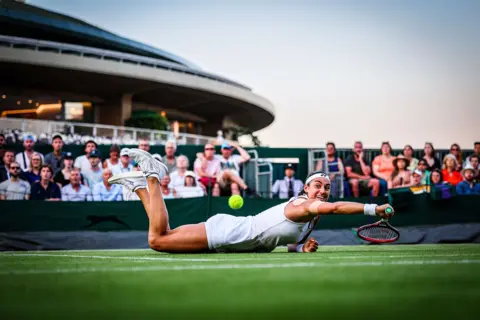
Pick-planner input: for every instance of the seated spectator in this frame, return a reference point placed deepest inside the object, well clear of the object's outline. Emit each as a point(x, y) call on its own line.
point(8, 159)
point(93, 174)
point(45, 189)
point(408, 154)
point(167, 192)
point(358, 172)
point(422, 167)
point(169, 158)
point(14, 188)
point(438, 187)
point(82, 162)
point(113, 163)
point(103, 191)
point(207, 167)
point(24, 157)
point(177, 177)
point(429, 156)
point(3, 141)
point(401, 176)
point(436, 178)
point(476, 152)
point(382, 165)
point(144, 145)
point(474, 163)
point(449, 172)
point(62, 178)
point(190, 189)
point(229, 176)
point(75, 191)
point(288, 187)
point(457, 152)
point(33, 173)
point(55, 158)
point(335, 169)
point(416, 185)
point(468, 186)
point(125, 164)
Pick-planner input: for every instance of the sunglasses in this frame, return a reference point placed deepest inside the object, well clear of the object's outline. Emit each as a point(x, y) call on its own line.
point(454, 149)
point(209, 149)
point(15, 168)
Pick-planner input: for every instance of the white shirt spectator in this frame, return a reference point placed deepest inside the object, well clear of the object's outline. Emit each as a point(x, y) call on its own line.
point(14, 190)
point(232, 163)
point(24, 161)
point(189, 192)
point(70, 194)
point(101, 193)
point(82, 163)
point(281, 187)
point(213, 166)
point(176, 180)
point(92, 177)
point(119, 168)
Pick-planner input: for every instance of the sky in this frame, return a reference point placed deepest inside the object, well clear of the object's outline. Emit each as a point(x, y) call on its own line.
point(400, 71)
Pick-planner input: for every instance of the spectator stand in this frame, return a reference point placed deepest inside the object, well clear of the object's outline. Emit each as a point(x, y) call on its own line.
point(258, 174)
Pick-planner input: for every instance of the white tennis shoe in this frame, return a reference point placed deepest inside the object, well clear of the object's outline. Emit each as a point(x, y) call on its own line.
point(133, 180)
point(150, 166)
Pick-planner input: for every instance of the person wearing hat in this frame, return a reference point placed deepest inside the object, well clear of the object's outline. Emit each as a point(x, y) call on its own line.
point(62, 177)
point(191, 187)
point(417, 187)
point(24, 157)
point(401, 175)
point(287, 187)
point(124, 164)
point(82, 162)
point(229, 176)
point(449, 172)
point(93, 174)
point(55, 158)
point(468, 186)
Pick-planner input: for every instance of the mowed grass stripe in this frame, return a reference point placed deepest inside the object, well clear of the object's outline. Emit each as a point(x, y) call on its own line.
point(197, 267)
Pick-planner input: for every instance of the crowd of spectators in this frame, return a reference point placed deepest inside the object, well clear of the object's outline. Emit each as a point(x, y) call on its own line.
point(58, 176)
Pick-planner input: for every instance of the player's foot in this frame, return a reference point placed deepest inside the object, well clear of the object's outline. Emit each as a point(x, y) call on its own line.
point(149, 166)
point(131, 180)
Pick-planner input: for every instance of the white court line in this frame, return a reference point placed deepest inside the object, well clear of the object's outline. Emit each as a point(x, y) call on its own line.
point(226, 258)
point(236, 266)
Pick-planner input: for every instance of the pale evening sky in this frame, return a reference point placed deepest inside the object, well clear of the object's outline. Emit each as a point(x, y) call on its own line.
point(403, 71)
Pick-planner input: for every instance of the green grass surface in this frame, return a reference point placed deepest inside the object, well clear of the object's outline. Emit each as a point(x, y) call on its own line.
point(400, 282)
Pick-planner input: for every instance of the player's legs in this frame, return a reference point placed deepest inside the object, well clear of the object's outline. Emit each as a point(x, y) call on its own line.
point(188, 238)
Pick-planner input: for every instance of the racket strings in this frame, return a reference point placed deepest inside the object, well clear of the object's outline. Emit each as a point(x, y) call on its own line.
point(378, 232)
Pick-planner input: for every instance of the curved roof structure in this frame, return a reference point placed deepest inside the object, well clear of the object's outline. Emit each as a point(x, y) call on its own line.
point(43, 53)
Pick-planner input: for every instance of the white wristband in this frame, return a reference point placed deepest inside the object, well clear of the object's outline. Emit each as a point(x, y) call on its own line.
point(369, 209)
point(300, 248)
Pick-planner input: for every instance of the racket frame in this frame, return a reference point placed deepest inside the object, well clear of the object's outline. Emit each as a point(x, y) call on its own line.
point(376, 224)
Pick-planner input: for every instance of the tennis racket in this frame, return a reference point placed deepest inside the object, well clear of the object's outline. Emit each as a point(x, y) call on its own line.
point(379, 232)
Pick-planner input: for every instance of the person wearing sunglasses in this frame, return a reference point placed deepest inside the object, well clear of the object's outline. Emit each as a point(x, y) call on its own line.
point(14, 188)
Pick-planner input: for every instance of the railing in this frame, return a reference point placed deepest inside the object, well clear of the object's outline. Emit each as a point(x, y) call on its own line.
point(88, 52)
point(103, 134)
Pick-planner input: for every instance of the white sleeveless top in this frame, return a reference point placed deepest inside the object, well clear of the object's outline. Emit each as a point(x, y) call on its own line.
point(260, 233)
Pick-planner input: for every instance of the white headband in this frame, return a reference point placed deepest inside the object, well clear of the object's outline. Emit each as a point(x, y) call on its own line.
point(317, 175)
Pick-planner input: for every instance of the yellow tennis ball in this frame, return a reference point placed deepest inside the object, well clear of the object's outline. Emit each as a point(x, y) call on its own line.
point(235, 202)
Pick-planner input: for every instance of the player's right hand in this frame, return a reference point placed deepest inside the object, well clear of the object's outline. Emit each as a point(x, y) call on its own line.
point(311, 245)
point(381, 211)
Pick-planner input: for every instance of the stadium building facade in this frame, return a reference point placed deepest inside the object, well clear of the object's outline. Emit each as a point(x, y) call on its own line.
point(56, 67)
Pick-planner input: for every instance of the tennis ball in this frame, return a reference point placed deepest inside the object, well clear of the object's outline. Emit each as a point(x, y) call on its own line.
point(235, 202)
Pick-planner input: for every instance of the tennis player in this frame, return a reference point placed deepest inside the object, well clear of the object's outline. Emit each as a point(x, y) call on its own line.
point(289, 223)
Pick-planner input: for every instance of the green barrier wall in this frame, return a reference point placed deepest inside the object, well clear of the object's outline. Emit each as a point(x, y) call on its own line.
point(17, 216)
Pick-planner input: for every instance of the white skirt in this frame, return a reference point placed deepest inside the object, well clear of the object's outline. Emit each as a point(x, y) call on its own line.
point(226, 233)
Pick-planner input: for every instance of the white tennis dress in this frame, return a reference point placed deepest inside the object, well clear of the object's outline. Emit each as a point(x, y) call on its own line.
point(260, 233)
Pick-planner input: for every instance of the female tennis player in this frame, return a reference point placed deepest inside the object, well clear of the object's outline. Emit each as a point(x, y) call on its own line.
point(288, 223)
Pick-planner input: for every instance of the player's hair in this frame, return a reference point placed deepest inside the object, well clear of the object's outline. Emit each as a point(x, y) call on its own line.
point(302, 192)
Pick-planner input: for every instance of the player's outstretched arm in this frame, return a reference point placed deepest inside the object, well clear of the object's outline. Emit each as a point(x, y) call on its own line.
point(311, 245)
point(304, 210)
